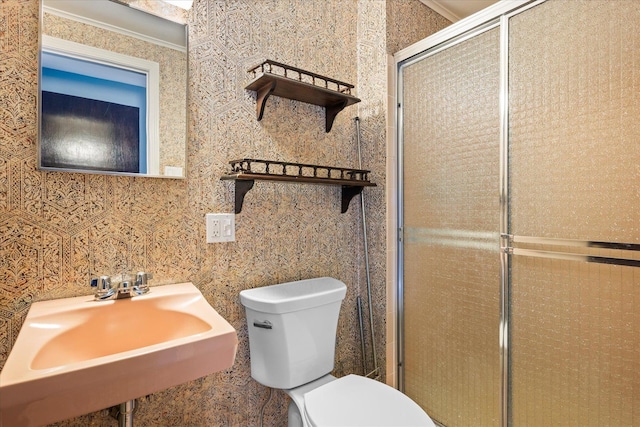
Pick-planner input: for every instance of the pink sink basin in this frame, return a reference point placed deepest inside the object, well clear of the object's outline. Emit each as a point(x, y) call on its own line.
point(76, 355)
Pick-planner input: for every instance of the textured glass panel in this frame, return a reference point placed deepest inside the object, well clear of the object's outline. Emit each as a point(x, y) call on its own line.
point(574, 173)
point(574, 120)
point(575, 347)
point(451, 219)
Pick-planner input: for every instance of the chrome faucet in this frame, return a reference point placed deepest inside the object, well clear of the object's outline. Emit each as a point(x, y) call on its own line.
point(126, 288)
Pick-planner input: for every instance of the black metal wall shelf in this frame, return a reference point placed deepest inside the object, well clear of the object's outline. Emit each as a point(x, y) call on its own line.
point(246, 171)
point(300, 85)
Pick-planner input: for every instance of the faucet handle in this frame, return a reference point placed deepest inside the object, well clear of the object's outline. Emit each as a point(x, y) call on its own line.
point(142, 277)
point(102, 285)
point(142, 284)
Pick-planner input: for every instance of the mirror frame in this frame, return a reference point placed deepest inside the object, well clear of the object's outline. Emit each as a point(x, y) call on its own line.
point(157, 32)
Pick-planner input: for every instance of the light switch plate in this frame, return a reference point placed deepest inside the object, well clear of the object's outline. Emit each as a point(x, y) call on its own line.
point(221, 227)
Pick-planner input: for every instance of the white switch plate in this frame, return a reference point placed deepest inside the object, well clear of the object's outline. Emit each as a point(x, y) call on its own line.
point(221, 227)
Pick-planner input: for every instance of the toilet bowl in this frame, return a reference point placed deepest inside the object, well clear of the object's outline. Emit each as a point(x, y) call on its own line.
point(292, 331)
point(355, 401)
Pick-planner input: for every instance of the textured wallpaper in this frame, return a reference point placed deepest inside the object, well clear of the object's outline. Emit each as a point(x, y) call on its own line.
point(59, 229)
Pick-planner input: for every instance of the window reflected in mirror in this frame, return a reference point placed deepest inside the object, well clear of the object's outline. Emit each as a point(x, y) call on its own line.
point(93, 115)
point(112, 90)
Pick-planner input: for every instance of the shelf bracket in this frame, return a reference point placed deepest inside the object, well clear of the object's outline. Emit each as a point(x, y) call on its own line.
point(331, 112)
point(242, 188)
point(263, 94)
point(348, 193)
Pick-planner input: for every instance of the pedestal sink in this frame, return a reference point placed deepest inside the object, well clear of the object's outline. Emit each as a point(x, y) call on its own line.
point(76, 355)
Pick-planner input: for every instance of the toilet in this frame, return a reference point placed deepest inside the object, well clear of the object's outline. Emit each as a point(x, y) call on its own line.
point(292, 336)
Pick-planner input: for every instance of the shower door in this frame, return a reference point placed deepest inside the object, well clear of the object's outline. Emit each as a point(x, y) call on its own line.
point(519, 264)
point(451, 223)
point(574, 173)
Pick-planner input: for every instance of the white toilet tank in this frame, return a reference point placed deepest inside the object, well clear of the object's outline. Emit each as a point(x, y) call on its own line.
point(292, 330)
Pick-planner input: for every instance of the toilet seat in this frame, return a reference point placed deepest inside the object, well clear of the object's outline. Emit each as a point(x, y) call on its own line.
point(356, 401)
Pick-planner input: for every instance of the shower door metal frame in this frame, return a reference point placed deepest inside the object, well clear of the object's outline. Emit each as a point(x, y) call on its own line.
point(497, 15)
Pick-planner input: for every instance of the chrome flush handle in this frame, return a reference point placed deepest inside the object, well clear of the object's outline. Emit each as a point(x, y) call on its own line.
point(263, 325)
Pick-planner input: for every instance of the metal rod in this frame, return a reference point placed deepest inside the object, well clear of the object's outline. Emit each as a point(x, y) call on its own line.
point(264, 405)
point(505, 289)
point(366, 254)
point(125, 415)
point(364, 355)
point(573, 257)
point(399, 243)
point(568, 255)
point(573, 242)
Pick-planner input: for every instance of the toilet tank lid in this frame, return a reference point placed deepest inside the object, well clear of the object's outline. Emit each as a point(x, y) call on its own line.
point(294, 296)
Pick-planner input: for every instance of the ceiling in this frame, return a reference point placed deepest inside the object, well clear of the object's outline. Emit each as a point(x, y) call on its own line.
point(454, 10)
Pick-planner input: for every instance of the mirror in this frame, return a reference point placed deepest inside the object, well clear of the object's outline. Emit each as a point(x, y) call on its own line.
point(113, 90)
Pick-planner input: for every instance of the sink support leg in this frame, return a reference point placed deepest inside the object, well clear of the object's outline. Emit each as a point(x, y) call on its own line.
point(125, 413)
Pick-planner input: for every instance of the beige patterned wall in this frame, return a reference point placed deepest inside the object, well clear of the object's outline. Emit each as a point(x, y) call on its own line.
point(408, 22)
point(59, 229)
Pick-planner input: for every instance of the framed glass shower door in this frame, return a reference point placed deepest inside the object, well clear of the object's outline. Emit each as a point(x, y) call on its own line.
point(451, 228)
point(574, 157)
point(566, 149)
